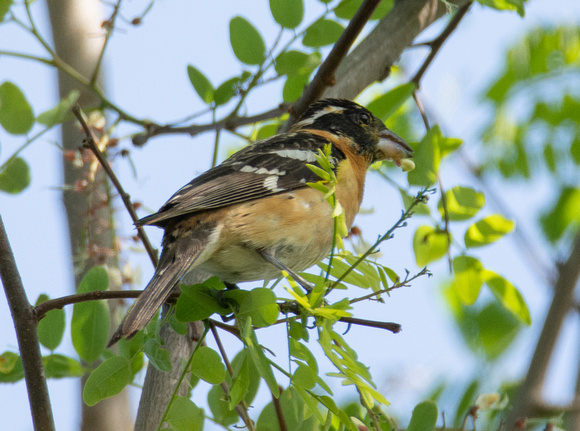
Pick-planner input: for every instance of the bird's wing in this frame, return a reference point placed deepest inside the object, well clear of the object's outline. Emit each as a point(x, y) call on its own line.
point(268, 167)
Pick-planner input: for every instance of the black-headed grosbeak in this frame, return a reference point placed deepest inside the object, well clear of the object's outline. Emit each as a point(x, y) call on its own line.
point(254, 214)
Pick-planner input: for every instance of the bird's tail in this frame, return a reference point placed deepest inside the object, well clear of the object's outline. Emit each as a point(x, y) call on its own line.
point(172, 267)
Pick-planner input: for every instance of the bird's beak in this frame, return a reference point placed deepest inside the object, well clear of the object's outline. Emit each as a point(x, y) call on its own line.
point(393, 147)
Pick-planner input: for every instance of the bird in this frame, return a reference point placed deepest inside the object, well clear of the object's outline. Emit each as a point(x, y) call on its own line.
point(254, 215)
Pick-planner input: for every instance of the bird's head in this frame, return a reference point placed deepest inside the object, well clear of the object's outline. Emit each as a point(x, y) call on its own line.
point(367, 134)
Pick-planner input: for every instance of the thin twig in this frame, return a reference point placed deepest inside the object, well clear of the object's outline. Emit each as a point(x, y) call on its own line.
point(325, 76)
point(109, 27)
point(91, 142)
point(25, 323)
point(398, 285)
point(53, 304)
point(439, 41)
point(242, 407)
point(279, 412)
point(227, 123)
point(420, 198)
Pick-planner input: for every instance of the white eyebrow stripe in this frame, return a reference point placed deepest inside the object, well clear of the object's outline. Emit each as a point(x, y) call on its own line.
point(271, 183)
point(326, 110)
point(304, 155)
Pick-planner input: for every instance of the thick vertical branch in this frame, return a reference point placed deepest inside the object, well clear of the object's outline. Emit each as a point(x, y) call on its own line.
point(78, 41)
point(159, 386)
point(25, 324)
point(372, 59)
point(530, 393)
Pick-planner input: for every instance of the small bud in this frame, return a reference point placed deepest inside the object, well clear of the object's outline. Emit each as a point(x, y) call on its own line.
point(69, 155)
point(358, 424)
point(407, 165)
point(80, 185)
point(136, 21)
point(486, 401)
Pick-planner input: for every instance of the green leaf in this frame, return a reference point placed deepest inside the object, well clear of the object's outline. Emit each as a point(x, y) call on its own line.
point(467, 278)
point(242, 364)
point(220, 409)
point(466, 401)
point(261, 306)
point(267, 130)
point(255, 353)
point(8, 361)
point(198, 302)
point(4, 7)
point(90, 320)
point(184, 415)
point(107, 380)
point(14, 176)
point(564, 214)
point(58, 114)
point(51, 327)
point(16, 114)
point(488, 230)
point(90, 328)
point(384, 106)
point(575, 148)
point(293, 410)
point(297, 63)
point(11, 370)
point(60, 366)
point(347, 8)
point(228, 89)
point(287, 13)
point(208, 366)
point(449, 145)
point(424, 417)
point(95, 279)
point(508, 296)
point(514, 5)
point(427, 159)
point(429, 244)
point(550, 157)
point(133, 351)
point(322, 33)
point(246, 41)
point(294, 87)
point(304, 377)
point(462, 203)
point(201, 84)
point(157, 355)
point(497, 329)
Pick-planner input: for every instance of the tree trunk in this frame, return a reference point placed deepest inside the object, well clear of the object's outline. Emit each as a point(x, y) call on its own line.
point(76, 26)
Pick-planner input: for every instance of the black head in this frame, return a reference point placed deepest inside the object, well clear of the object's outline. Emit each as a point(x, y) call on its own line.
point(367, 133)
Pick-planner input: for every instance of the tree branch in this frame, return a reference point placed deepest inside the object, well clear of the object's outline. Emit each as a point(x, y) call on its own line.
point(436, 44)
point(530, 392)
point(371, 60)
point(227, 123)
point(25, 323)
point(325, 76)
point(92, 144)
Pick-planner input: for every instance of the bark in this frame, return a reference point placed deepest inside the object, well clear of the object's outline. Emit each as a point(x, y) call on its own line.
point(25, 323)
point(159, 386)
point(372, 59)
point(529, 395)
point(76, 26)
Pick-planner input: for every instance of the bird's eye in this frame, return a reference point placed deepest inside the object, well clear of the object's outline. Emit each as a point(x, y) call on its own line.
point(364, 118)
